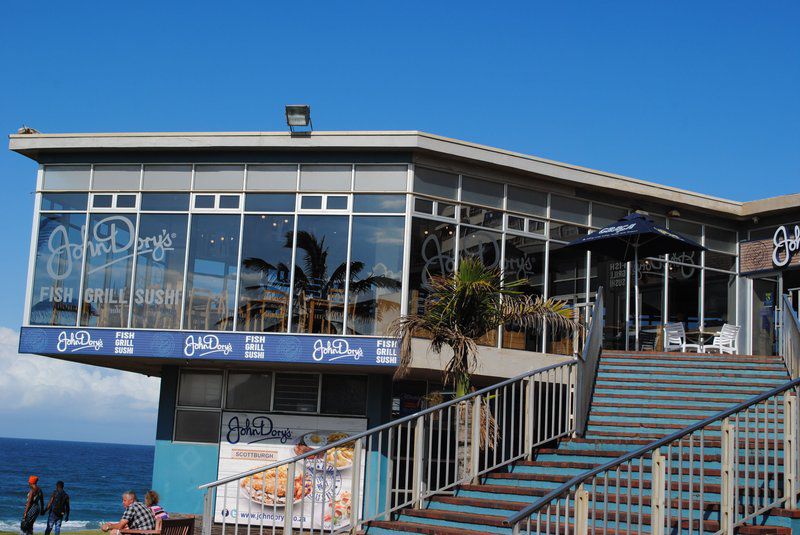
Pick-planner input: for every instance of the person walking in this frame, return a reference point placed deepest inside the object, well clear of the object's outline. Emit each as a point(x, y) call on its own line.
point(34, 506)
point(57, 509)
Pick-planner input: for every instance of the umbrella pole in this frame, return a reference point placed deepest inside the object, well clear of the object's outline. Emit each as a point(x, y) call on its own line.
point(636, 295)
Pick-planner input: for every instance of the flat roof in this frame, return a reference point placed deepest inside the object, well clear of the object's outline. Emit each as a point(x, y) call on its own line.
point(35, 145)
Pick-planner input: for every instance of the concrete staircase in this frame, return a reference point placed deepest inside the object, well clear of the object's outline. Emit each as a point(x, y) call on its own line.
point(639, 397)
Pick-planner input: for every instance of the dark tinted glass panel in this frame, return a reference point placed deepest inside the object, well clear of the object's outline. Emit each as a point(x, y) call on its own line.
point(651, 289)
point(311, 202)
point(569, 209)
point(344, 394)
point(432, 253)
point(126, 201)
point(720, 261)
point(269, 202)
point(249, 392)
point(165, 201)
point(445, 209)
point(320, 270)
point(229, 201)
point(686, 257)
point(479, 191)
point(57, 269)
point(603, 215)
point(536, 227)
point(296, 392)
point(684, 296)
point(423, 205)
point(566, 232)
point(102, 201)
point(64, 201)
point(376, 267)
point(719, 299)
point(516, 223)
point(200, 389)
point(204, 201)
point(265, 273)
point(436, 183)
point(567, 282)
point(380, 203)
point(211, 282)
point(158, 288)
point(721, 240)
point(109, 260)
point(482, 217)
point(197, 426)
point(527, 201)
point(484, 245)
point(524, 260)
point(337, 203)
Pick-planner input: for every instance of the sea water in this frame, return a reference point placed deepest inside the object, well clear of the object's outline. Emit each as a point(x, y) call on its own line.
point(95, 476)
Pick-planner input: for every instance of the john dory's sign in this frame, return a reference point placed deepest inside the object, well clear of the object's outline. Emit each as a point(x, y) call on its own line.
point(768, 254)
point(785, 245)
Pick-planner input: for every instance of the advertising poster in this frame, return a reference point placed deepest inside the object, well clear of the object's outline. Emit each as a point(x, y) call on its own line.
point(321, 494)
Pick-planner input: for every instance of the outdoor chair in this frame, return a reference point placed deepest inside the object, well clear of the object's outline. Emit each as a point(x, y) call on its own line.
point(675, 339)
point(170, 526)
point(725, 341)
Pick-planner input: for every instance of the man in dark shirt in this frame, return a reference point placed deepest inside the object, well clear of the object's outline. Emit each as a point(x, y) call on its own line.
point(136, 516)
point(58, 508)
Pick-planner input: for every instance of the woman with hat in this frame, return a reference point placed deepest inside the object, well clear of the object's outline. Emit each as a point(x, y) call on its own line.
point(33, 506)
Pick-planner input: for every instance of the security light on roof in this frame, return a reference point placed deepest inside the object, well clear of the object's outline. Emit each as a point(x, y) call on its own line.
point(298, 115)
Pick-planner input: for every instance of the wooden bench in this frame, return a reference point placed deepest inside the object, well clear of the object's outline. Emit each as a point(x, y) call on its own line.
point(170, 526)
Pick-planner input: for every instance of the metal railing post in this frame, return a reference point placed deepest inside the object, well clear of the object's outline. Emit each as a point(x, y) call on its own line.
point(355, 487)
point(790, 450)
point(727, 498)
point(582, 511)
point(475, 447)
point(419, 446)
point(287, 511)
point(658, 498)
point(208, 511)
point(529, 411)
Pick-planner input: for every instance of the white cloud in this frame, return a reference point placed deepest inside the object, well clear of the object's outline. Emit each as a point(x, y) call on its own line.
point(42, 385)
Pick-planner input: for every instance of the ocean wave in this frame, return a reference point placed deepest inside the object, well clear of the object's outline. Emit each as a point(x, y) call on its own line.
point(38, 527)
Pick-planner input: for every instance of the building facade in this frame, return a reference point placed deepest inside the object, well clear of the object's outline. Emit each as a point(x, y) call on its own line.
point(258, 273)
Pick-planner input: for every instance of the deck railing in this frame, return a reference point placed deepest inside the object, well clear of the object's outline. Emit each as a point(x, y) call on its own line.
point(790, 337)
point(588, 361)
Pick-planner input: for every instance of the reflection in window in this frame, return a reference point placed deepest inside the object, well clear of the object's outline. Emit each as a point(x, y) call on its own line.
point(484, 245)
point(376, 266)
point(432, 253)
point(158, 288)
point(524, 260)
point(472, 215)
point(684, 296)
point(211, 280)
point(109, 259)
point(719, 299)
point(57, 269)
point(265, 273)
point(319, 274)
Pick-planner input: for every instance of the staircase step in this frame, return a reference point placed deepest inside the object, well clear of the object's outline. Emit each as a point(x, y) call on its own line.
point(613, 362)
point(709, 374)
point(377, 527)
point(705, 408)
point(742, 394)
point(700, 357)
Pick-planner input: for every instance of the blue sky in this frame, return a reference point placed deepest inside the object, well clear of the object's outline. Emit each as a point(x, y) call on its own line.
point(698, 95)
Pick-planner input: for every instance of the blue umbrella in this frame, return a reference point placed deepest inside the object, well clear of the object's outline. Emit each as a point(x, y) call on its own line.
point(628, 239)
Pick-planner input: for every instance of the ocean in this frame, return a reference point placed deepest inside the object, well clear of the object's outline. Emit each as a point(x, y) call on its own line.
point(95, 476)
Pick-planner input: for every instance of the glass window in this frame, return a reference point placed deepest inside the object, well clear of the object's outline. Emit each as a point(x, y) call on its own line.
point(325, 177)
point(719, 299)
point(604, 215)
point(66, 177)
point(165, 202)
point(566, 232)
point(444, 209)
point(296, 392)
point(722, 261)
point(381, 177)
point(57, 269)
point(64, 201)
point(269, 202)
point(249, 392)
point(211, 281)
point(311, 202)
point(158, 288)
point(109, 259)
point(229, 201)
point(320, 271)
point(336, 203)
point(436, 183)
point(116, 177)
point(344, 394)
point(379, 204)
point(423, 205)
point(126, 201)
point(265, 273)
point(432, 253)
point(200, 389)
point(527, 201)
point(204, 201)
point(721, 240)
point(684, 296)
point(482, 217)
point(566, 282)
point(524, 260)
point(102, 201)
point(271, 177)
point(484, 245)
point(376, 274)
point(167, 177)
point(218, 177)
point(516, 223)
point(686, 257)
point(651, 288)
point(537, 227)
point(612, 275)
point(569, 209)
point(482, 192)
point(197, 426)
point(693, 231)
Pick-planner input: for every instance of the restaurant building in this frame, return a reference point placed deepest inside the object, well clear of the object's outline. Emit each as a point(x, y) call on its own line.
point(257, 274)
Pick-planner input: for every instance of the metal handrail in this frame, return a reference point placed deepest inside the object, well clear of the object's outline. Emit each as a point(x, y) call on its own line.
point(790, 357)
point(588, 362)
point(577, 480)
point(383, 427)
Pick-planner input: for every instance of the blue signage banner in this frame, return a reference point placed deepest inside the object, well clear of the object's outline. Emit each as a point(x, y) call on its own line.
point(296, 349)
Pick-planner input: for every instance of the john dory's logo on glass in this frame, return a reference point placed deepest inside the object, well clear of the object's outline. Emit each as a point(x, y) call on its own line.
point(205, 345)
point(258, 429)
point(785, 246)
point(77, 341)
point(335, 350)
point(111, 235)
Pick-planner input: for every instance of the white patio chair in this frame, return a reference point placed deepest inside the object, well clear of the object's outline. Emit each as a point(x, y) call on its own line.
point(725, 341)
point(675, 339)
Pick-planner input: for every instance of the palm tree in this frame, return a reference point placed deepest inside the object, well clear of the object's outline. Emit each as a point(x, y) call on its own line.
point(465, 306)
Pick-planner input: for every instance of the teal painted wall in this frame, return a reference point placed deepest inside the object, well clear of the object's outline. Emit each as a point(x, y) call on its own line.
point(179, 469)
